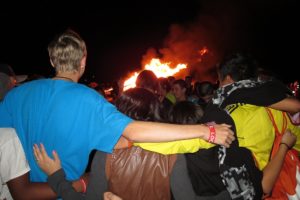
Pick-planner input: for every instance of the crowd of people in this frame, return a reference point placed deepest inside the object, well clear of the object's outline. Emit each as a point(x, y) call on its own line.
point(165, 139)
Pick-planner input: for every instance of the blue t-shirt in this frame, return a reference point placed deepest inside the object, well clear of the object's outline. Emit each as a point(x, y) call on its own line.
point(65, 116)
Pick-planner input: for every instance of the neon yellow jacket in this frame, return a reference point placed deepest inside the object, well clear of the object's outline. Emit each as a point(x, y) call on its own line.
point(256, 132)
point(254, 128)
point(181, 146)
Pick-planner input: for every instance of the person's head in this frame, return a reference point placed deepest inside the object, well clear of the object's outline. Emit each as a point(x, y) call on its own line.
point(14, 79)
point(204, 90)
point(139, 104)
point(237, 67)
point(179, 90)
point(264, 74)
point(68, 53)
point(171, 80)
point(8, 79)
point(186, 112)
point(148, 80)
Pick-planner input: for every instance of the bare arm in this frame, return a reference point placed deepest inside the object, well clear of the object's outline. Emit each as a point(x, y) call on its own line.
point(289, 104)
point(273, 168)
point(111, 196)
point(139, 131)
point(123, 143)
point(22, 189)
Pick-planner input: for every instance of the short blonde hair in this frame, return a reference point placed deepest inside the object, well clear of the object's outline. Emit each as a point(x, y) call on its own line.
point(66, 51)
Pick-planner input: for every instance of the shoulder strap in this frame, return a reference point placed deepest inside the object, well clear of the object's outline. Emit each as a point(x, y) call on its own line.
point(278, 135)
point(274, 123)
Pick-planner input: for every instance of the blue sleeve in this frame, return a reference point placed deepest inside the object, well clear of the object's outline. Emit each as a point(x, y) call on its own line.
point(111, 127)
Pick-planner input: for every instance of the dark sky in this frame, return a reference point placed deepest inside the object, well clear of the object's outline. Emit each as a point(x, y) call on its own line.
point(119, 34)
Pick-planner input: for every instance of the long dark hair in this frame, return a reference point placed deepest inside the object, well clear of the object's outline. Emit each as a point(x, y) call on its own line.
point(186, 112)
point(139, 104)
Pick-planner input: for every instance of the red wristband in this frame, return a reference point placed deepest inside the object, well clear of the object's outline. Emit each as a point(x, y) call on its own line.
point(212, 134)
point(130, 144)
point(83, 185)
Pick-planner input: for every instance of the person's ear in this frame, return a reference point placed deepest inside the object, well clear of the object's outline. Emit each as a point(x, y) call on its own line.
point(82, 63)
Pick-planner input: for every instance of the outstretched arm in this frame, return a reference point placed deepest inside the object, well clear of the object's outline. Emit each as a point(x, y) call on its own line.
point(289, 104)
point(139, 131)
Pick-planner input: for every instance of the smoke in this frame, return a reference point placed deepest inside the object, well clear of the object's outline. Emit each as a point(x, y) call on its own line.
point(221, 27)
point(183, 45)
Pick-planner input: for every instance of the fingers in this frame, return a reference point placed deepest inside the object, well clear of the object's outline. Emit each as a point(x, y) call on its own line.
point(226, 125)
point(37, 153)
point(43, 151)
point(227, 143)
point(40, 153)
point(225, 135)
point(55, 157)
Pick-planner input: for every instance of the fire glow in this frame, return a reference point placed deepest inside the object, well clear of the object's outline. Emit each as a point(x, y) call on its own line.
point(158, 68)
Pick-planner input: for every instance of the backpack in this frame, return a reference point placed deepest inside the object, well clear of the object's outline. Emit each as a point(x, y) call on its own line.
point(287, 185)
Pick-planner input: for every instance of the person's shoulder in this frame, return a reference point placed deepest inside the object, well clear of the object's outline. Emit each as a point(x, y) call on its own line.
point(31, 84)
point(7, 131)
point(7, 134)
point(84, 93)
point(244, 109)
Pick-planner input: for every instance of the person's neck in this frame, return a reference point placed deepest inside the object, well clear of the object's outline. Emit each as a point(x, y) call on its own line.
point(66, 76)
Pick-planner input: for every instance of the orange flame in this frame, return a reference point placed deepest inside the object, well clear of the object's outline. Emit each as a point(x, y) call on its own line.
point(130, 82)
point(163, 69)
point(158, 68)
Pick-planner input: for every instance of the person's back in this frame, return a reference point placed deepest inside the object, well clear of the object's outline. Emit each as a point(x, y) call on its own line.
point(134, 173)
point(55, 112)
point(255, 129)
point(68, 117)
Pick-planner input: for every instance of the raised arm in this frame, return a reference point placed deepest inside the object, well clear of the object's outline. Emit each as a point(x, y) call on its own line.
point(272, 170)
point(56, 175)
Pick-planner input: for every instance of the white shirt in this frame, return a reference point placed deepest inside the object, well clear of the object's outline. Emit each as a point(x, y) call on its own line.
point(13, 162)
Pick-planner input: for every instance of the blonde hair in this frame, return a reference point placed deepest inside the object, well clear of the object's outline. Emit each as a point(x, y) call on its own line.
point(66, 51)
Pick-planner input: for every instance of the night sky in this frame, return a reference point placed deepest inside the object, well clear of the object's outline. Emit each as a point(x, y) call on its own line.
point(120, 34)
